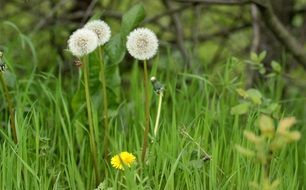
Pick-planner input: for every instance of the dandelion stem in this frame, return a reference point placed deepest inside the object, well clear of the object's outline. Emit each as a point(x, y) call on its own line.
point(90, 122)
point(10, 107)
point(147, 112)
point(160, 99)
point(105, 104)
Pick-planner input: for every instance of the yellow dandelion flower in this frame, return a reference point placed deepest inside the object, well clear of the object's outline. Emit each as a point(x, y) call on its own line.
point(123, 159)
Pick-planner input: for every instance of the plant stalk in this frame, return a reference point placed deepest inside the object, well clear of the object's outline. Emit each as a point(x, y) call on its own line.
point(147, 112)
point(90, 122)
point(10, 107)
point(105, 105)
point(160, 99)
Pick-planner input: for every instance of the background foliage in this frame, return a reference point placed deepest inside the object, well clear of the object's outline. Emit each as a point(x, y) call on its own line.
point(215, 89)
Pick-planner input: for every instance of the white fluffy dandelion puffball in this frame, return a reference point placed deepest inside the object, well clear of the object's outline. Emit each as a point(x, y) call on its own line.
point(82, 42)
point(142, 43)
point(102, 30)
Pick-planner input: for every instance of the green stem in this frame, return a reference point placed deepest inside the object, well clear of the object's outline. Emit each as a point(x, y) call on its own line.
point(147, 113)
point(160, 99)
point(90, 122)
point(105, 105)
point(10, 107)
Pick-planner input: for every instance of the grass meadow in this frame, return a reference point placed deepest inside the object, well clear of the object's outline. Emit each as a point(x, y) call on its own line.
point(195, 147)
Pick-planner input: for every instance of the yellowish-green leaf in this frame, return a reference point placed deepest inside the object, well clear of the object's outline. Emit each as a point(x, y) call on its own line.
point(241, 92)
point(286, 123)
point(266, 126)
point(245, 151)
point(255, 96)
point(240, 109)
point(252, 137)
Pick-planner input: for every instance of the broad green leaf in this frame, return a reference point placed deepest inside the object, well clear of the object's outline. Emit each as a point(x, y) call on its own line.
point(254, 57)
point(96, 16)
point(276, 66)
point(262, 56)
point(95, 87)
point(240, 109)
point(115, 50)
point(255, 96)
point(271, 108)
point(132, 19)
point(262, 70)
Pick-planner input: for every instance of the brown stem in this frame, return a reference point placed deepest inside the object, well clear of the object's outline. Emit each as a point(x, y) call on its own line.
point(10, 107)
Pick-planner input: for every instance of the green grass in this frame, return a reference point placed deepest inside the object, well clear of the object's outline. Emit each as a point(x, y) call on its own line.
point(54, 148)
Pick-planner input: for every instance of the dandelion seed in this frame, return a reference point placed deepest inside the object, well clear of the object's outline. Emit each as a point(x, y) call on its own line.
point(142, 43)
point(101, 29)
point(82, 42)
point(123, 159)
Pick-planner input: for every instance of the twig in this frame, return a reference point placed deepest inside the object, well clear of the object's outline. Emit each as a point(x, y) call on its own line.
point(255, 42)
point(167, 13)
point(44, 21)
point(89, 11)
point(220, 2)
point(282, 34)
point(179, 32)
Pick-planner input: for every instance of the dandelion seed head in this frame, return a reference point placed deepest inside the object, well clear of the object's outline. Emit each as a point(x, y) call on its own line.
point(82, 42)
point(142, 43)
point(123, 159)
point(101, 29)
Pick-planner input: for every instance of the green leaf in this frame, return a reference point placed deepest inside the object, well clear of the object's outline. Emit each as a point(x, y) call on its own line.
point(95, 88)
point(241, 92)
point(96, 16)
point(276, 66)
point(270, 75)
point(262, 70)
point(115, 50)
point(240, 109)
point(262, 56)
point(132, 18)
point(266, 125)
point(255, 96)
point(254, 57)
